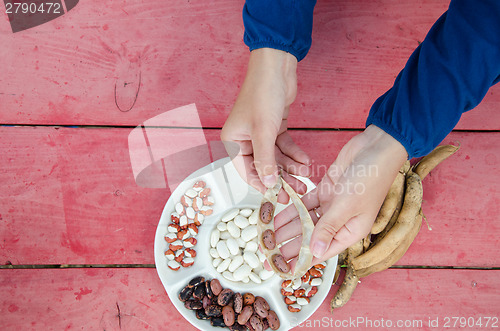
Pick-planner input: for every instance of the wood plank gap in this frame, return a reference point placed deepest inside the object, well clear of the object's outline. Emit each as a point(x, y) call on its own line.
point(76, 266)
point(57, 126)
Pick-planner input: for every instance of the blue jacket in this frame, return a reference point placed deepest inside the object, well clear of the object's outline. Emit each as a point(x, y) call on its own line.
point(448, 74)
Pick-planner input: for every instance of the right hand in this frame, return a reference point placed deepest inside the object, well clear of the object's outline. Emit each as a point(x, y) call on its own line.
point(258, 123)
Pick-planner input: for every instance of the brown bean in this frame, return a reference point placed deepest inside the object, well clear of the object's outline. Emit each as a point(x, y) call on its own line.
point(273, 320)
point(206, 302)
point(256, 322)
point(280, 263)
point(245, 315)
point(248, 299)
point(237, 327)
point(193, 304)
point(228, 315)
point(197, 280)
point(238, 302)
point(186, 293)
point(269, 239)
point(266, 212)
point(208, 289)
point(261, 307)
point(225, 296)
point(215, 286)
point(213, 310)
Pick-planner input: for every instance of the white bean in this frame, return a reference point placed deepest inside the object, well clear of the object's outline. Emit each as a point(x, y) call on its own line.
point(222, 226)
point(183, 221)
point(222, 250)
point(214, 238)
point(255, 278)
point(225, 235)
point(316, 281)
point(214, 253)
point(190, 212)
point(254, 218)
point(191, 193)
point(236, 263)
point(249, 233)
point(233, 229)
point(265, 274)
point(251, 246)
point(230, 215)
point(245, 212)
point(242, 243)
point(179, 208)
point(243, 271)
point(302, 301)
point(246, 280)
point(228, 275)
point(296, 283)
point(223, 265)
point(252, 259)
point(232, 246)
point(216, 262)
point(241, 222)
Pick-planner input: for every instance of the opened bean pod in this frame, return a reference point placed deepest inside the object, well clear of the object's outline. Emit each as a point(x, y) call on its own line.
point(267, 237)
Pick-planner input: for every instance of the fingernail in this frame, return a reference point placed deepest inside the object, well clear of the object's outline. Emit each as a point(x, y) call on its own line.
point(269, 181)
point(319, 249)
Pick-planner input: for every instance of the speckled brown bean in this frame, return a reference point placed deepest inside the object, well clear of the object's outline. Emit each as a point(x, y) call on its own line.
point(273, 320)
point(245, 315)
point(193, 304)
point(248, 299)
point(199, 291)
point(266, 212)
point(225, 297)
point(269, 239)
point(215, 286)
point(197, 280)
point(228, 315)
point(261, 307)
point(256, 322)
point(208, 289)
point(280, 263)
point(238, 303)
point(206, 302)
point(237, 327)
point(213, 310)
point(186, 293)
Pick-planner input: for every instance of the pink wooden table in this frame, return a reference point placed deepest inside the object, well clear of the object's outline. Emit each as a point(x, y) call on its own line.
point(77, 231)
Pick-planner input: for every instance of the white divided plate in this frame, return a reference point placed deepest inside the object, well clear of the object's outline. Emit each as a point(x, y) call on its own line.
point(229, 191)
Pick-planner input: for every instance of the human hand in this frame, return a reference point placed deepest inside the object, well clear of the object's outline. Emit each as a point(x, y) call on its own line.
point(258, 123)
point(348, 197)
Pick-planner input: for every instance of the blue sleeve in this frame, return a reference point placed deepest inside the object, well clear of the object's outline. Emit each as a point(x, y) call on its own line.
point(448, 74)
point(280, 24)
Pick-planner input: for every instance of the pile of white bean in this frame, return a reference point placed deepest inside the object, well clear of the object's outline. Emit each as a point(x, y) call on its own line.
point(235, 248)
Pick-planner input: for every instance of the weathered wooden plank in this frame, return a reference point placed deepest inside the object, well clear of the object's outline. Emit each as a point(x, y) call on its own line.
point(124, 63)
point(134, 299)
point(68, 196)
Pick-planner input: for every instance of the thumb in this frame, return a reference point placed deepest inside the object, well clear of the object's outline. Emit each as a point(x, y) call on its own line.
point(326, 229)
point(263, 142)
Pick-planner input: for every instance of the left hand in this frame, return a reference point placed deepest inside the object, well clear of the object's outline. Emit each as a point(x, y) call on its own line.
point(348, 197)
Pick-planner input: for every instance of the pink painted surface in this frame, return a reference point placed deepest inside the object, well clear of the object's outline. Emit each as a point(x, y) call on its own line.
point(88, 299)
point(124, 62)
point(69, 196)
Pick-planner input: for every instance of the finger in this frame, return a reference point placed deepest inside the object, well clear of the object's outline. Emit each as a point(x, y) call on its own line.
point(299, 186)
point(353, 231)
point(291, 166)
point(325, 230)
point(263, 142)
point(292, 248)
point(292, 229)
point(244, 166)
point(290, 149)
point(310, 200)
